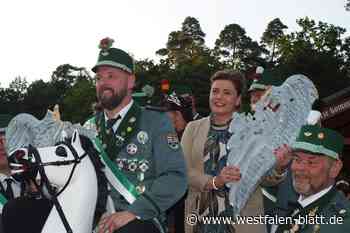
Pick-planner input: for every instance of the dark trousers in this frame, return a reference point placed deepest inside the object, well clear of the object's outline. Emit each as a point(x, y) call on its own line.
point(138, 226)
point(176, 217)
point(25, 215)
point(1, 230)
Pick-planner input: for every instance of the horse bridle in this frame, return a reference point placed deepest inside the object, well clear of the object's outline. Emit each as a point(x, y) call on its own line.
point(32, 151)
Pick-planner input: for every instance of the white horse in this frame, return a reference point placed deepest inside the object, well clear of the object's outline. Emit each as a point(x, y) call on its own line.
point(74, 169)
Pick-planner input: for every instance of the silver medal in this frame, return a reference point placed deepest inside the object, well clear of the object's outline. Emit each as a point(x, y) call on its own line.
point(132, 165)
point(143, 166)
point(142, 137)
point(131, 148)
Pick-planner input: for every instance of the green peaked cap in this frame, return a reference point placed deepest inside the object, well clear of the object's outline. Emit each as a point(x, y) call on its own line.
point(318, 140)
point(113, 57)
point(265, 79)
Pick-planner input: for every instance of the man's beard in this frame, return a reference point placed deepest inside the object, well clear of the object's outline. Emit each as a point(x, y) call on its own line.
point(302, 188)
point(113, 101)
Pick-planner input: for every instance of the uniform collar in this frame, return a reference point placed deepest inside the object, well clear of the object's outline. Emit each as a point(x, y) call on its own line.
point(310, 199)
point(122, 113)
point(123, 130)
point(3, 177)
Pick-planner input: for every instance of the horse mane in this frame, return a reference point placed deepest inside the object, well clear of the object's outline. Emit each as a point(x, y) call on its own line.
point(102, 182)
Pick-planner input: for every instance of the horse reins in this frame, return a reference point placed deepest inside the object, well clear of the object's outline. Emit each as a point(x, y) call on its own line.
point(40, 165)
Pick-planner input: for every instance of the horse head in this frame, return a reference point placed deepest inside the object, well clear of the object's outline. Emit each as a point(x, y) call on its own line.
point(56, 163)
point(41, 149)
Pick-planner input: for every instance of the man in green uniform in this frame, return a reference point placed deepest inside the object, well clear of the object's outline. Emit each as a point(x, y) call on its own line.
point(316, 164)
point(144, 161)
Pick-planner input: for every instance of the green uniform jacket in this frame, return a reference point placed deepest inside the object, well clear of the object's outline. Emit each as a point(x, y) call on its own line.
point(152, 160)
point(276, 197)
point(333, 207)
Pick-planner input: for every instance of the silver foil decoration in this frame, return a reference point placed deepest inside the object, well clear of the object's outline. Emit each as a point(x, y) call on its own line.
point(25, 129)
point(277, 120)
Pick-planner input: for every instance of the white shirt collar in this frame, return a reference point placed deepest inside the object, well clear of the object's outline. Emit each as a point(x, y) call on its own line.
point(121, 113)
point(310, 199)
point(3, 177)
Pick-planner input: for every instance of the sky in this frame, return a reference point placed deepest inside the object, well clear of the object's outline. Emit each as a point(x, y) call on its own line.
point(39, 35)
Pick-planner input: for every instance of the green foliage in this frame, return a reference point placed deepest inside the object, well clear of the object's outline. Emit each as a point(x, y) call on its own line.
point(40, 97)
point(317, 49)
point(78, 100)
point(192, 30)
point(237, 50)
point(68, 75)
point(19, 85)
point(272, 35)
point(185, 46)
point(10, 101)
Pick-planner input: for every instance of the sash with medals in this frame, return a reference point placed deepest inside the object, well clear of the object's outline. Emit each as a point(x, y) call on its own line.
point(113, 143)
point(111, 146)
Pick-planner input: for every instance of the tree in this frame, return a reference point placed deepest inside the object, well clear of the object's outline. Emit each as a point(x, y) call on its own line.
point(147, 72)
point(65, 77)
point(19, 85)
point(192, 29)
point(10, 101)
point(346, 55)
point(76, 91)
point(322, 36)
point(77, 102)
point(185, 46)
point(271, 36)
point(40, 96)
point(237, 49)
point(347, 6)
point(318, 51)
point(68, 75)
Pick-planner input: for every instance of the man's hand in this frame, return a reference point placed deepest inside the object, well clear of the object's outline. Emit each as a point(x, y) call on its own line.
point(112, 222)
point(227, 174)
point(283, 156)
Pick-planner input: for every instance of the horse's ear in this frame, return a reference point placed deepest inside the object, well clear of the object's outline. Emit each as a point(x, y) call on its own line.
point(76, 139)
